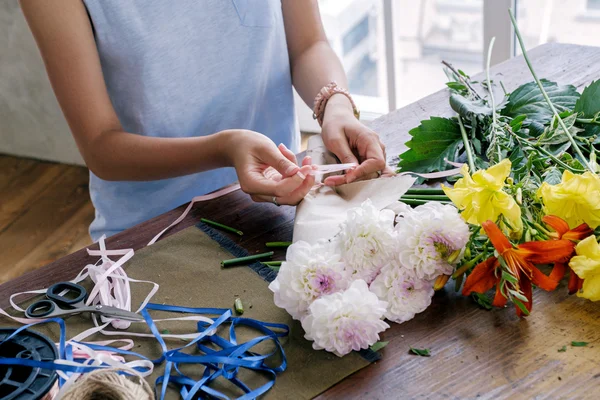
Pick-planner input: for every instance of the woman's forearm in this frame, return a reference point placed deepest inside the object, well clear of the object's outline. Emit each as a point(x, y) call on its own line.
point(121, 156)
point(316, 67)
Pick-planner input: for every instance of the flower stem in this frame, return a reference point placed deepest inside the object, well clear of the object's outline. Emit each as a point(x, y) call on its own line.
point(221, 226)
point(489, 83)
point(539, 83)
point(462, 79)
point(467, 266)
point(415, 202)
point(588, 121)
point(272, 263)
point(424, 191)
point(463, 132)
point(245, 260)
point(278, 244)
point(428, 197)
point(546, 153)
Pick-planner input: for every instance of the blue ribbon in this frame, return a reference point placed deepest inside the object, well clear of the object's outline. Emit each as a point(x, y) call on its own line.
point(224, 362)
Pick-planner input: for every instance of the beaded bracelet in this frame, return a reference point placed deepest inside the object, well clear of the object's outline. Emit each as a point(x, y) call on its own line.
point(323, 97)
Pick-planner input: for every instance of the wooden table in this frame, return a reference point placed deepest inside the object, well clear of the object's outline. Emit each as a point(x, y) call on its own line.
point(475, 353)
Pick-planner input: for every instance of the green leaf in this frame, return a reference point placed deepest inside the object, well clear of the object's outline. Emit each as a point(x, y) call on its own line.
point(555, 134)
point(482, 300)
point(579, 344)
point(521, 306)
point(589, 102)
point(528, 99)
point(517, 122)
point(469, 108)
point(552, 176)
point(378, 346)
point(433, 141)
point(420, 352)
point(508, 277)
point(459, 87)
point(562, 349)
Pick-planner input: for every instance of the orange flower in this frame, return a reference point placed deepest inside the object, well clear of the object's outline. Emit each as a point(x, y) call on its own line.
point(576, 234)
point(520, 264)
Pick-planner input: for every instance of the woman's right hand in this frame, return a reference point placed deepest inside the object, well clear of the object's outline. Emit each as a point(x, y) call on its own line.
point(252, 153)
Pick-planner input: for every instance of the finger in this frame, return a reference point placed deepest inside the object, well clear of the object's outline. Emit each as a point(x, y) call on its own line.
point(287, 153)
point(273, 157)
point(297, 195)
point(307, 161)
point(374, 159)
point(258, 184)
point(292, 198)
point(340, 147)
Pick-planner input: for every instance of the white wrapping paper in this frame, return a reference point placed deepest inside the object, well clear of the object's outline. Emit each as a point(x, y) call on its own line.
point(322, 211)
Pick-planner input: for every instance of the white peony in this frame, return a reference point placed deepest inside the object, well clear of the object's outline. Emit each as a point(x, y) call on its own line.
point(345, 321)
point(427, 236)
point(405, 293)
point(309, 272)
point(366, 240)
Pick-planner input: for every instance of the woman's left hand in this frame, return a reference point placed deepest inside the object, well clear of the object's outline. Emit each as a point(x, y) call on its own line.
point(352, 142)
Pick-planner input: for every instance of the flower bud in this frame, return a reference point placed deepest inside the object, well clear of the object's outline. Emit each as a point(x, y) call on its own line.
point(440, 282)
point(453, 257)
point(519, 196)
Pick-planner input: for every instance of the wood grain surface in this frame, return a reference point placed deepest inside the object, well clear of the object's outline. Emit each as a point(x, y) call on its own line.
point(475, 353)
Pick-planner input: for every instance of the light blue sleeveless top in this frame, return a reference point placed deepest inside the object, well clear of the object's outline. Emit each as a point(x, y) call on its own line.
point(188, 68)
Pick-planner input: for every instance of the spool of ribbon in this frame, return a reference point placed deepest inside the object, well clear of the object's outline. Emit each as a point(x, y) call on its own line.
point(219, 357)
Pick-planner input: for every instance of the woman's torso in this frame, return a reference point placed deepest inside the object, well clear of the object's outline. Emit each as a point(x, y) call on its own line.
point(188, 68)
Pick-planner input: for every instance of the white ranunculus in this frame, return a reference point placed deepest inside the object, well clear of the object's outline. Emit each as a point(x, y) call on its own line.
point(366, 240)
point(309, 272)
point(427, 235)
point(405, 293)
point(345, 321)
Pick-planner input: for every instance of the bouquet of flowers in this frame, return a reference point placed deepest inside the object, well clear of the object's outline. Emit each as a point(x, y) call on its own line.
point(378, 266)
point(525, 213)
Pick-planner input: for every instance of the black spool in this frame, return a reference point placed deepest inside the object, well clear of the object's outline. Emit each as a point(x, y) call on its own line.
point(26, 383)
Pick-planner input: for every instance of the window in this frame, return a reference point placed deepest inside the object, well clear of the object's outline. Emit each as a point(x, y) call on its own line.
point(392, 49)
point(593, 5)
point(565, 21)
point(429, 32)
point(354, 29)
point(356, 35)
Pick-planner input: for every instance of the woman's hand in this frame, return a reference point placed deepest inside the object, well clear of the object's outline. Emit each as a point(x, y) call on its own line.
point(351, 141)
point(252, 154)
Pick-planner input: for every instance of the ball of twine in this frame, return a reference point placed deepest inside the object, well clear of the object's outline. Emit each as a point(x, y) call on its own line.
point(107, 384)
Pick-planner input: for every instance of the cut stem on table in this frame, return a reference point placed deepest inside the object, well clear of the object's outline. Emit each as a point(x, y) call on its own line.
point(246, 260)
point(221, 226)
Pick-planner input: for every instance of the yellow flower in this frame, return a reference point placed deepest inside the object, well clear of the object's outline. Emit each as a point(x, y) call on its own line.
point(586, 265)
point(575, 199)
point(480, 197)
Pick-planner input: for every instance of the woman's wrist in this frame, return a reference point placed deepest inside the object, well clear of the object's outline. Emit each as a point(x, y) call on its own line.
point(224, 145)
point(338, 105)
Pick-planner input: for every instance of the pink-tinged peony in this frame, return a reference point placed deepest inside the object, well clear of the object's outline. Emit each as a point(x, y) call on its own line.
point(366, 240)
point(405, 293)
point(309, 272)
point(345, 321)
point(427, 238)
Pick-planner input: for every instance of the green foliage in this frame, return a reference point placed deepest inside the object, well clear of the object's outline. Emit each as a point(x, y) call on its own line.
point(482, 300)
point(528, 99)
point(467, 108)
point(588, 104)
point(579, 344)
point(432, 142)
point(378, 346)
point(420, 352)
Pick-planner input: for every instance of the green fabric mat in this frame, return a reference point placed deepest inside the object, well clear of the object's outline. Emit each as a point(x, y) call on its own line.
point(187, 267)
